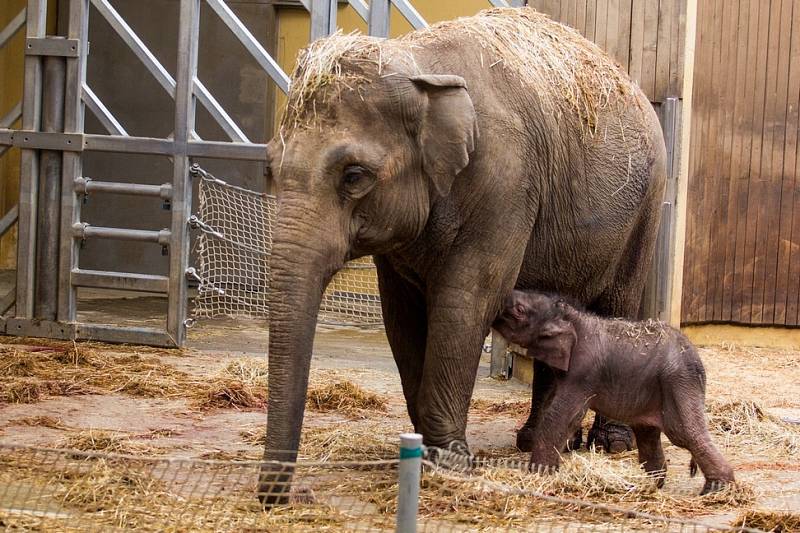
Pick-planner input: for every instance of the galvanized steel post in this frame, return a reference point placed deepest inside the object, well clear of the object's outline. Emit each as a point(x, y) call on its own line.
point(49, 195)
point(409, 473)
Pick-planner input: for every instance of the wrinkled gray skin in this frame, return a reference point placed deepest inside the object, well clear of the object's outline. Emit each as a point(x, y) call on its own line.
point(645, 374)
point(462, 188)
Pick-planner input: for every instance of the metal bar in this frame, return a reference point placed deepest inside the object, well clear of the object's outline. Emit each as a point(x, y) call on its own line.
point(188, 37)
point(82, 231)
point(51, 46)
point(321, 18)
point(12, 116)
point(98, 108)
point(225, 150)
point(49, 206)
point(87, 185)
point(29, 165)
point(252, 45)
point(218, 112)
point(94, 332)
point(74, 114)
point(8, 301)
point(498, 367)
point(379, 18)
point(146, 336)
point(43, 140)
point(8, 220)
point(6, 122)
point(409, 471)
point(410, 14)
point(138, 47)
point(360, 7)
point(120, 281)
point(131, 145)
point(13, 27)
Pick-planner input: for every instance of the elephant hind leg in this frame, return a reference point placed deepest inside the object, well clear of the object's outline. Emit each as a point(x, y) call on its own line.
point(651, 454)
point(685, 426)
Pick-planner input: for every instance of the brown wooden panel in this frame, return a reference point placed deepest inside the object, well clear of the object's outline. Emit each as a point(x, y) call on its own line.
point(650, 48)
point(601, 24)
point(591, 19)
point(743, 219)
point(637, 42)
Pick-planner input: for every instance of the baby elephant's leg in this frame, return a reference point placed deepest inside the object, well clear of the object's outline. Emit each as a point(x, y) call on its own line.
point(685, 425)
point(651, 454)
point(559, 421)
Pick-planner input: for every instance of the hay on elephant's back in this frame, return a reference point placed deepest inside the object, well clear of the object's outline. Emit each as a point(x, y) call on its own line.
point(569, 73)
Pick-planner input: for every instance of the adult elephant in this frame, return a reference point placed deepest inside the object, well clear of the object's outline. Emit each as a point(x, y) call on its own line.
point(497, 151)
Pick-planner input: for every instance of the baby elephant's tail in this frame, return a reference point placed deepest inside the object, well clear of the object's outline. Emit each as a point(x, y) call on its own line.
point(692, 468)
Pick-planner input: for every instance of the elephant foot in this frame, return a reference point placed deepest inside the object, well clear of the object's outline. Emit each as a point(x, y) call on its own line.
point(525, 439)
point(274, 485)
point(612, 437)
point(714, 485)
point(456, 456)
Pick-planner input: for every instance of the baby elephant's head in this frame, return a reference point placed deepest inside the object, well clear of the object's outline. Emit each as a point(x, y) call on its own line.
point(540, 323)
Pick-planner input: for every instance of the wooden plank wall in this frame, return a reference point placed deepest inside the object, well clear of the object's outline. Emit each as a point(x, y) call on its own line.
point(742, 260)
point(644, 36)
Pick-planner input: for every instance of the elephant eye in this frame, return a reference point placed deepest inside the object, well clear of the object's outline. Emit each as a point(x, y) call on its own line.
point(353, 174)
point(520, 309)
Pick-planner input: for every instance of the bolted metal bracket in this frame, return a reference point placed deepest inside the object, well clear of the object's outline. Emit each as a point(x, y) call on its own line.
point(52, 46)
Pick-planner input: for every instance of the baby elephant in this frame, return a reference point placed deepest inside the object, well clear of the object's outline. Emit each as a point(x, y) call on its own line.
point(645, 374)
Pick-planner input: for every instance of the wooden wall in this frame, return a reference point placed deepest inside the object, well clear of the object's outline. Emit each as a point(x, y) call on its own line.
point(742, 260)
point(644, 36)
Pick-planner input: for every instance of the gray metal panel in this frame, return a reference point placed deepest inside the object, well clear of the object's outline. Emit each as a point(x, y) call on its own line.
point(410, 13)
point(120, 281)
point(51, 46)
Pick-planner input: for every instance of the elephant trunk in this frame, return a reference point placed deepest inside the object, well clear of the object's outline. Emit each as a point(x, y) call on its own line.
point(300, 270)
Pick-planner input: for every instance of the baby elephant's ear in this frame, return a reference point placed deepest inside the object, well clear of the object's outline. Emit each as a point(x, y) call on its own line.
point(555, 343)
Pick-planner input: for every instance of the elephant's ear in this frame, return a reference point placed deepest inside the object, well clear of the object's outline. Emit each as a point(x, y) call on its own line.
point(554, 345)
point(448, 129)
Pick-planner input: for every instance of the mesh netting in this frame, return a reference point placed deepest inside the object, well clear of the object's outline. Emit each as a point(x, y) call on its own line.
point(69, 490)
point(234, 247)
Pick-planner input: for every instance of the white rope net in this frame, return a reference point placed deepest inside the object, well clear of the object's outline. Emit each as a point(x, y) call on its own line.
point(233, 251)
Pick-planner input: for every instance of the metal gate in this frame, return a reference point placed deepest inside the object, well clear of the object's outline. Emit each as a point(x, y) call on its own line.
point(53, 141)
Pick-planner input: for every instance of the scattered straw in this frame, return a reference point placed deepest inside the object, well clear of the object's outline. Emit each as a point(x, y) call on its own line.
point(747, 425)
point(39, 421)
point(772, 521)
point(482, 406)
point(568, 73)
point(242, 384)
point(344, 397)
point(100, 440)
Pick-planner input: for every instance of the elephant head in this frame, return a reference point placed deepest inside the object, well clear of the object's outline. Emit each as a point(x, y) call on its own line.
point(368, 142)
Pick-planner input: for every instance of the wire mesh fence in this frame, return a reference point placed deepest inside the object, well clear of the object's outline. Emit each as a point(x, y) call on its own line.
point(233, 248)
point(68, 490)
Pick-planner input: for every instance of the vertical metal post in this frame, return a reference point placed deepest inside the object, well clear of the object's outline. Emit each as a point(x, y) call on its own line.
point(323, 18)
point(188, 38)
point(408, 474)
point(74, 113)
point(49, 201)
point(498, 366)
point(29, 165)
point(379, 17)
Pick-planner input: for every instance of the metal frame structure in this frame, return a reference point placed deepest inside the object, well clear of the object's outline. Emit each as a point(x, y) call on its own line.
point(52, 140)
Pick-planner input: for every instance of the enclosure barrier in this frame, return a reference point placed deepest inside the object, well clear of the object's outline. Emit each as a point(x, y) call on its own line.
point(233, 248)
point(74, 490)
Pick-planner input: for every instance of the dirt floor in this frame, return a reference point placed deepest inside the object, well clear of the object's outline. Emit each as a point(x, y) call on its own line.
point(207, 401)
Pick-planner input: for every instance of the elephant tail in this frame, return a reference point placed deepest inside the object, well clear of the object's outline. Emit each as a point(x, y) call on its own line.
point(692, 468)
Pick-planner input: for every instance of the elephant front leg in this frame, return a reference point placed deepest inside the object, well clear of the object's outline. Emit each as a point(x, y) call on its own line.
point(558, 423)
point(404, 319)
point(541, 394)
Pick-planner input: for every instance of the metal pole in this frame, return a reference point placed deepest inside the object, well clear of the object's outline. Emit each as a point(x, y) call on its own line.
point(498, 366)
point(29, 166)
point(185, 105)
point(408, 474)
point(323, 18)
point(74, 113)
point(379, 18)
point(49, 207)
